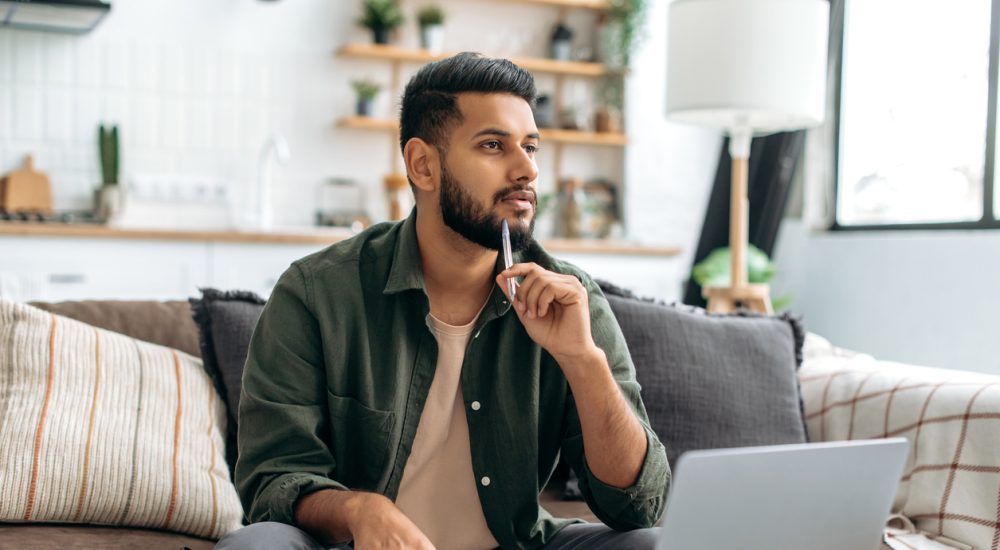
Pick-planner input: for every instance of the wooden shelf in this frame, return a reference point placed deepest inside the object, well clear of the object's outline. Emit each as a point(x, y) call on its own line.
point(548, 134)
point(397, 53)
point(308, 235)
point(595, 246)
point(369, 123)
point(304, 235)
point(600, 5)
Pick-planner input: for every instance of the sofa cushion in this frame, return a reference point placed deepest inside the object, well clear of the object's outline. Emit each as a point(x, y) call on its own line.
point(713, 381)
point(226, 321)
point(166, 323)
point(101, 428)
point(951, 482)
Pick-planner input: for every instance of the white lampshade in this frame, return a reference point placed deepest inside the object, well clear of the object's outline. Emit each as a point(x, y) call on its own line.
point(753, 65)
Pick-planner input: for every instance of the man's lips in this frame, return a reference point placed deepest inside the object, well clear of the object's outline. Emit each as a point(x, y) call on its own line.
point(523, 199)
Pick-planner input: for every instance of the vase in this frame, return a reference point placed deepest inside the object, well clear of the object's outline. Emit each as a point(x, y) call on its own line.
point(364, 107)
point(432, 38)
point(107, 202)
point(380, 35)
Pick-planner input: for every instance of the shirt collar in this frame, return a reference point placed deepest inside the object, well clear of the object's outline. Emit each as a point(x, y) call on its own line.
point(406, 271)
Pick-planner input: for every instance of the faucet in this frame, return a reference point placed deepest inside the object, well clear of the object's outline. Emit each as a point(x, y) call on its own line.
point(265, 162)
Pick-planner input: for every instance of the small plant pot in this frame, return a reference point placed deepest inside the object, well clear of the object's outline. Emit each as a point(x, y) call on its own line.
point(432, 38)
point(561, 50)
point(380, 35)
point(364, 107)
point(107, 202)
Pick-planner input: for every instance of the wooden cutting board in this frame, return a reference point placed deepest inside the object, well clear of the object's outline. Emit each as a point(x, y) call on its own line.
point(26, 190)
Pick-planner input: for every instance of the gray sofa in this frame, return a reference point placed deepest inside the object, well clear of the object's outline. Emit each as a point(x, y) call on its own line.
point(707, 382)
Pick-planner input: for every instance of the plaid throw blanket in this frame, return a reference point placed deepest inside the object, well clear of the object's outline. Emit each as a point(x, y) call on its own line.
point(949, 496)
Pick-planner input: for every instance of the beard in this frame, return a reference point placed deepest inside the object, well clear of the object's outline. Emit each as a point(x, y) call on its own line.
point(469, 219)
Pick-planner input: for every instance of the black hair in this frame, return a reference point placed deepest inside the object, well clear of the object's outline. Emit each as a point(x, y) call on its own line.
point(430, 106)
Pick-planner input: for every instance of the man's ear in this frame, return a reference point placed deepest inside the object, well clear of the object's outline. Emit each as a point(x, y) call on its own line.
point(423, 165)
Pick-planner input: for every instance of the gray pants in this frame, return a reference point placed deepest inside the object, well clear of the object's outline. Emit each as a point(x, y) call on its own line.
point(269, 535)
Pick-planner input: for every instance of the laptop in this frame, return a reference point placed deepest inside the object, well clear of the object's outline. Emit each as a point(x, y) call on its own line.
point(815, 496)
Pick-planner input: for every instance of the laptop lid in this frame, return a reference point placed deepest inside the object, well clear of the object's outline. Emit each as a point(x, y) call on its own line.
point(820, 496)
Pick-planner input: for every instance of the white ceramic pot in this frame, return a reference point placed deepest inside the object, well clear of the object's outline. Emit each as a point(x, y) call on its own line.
point(108, 202)
point(432, 38)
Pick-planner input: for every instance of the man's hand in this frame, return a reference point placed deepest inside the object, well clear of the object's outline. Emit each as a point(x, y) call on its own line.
point(555, 311)
point(370, 519)
point(382, 525)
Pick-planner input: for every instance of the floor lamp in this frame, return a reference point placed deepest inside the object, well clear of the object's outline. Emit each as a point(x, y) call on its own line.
point(747, 67)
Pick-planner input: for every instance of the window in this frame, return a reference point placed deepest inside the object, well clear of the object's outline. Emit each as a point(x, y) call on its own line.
point(917, 114)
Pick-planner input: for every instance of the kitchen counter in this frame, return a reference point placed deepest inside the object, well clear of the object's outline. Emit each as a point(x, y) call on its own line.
point(295, 235)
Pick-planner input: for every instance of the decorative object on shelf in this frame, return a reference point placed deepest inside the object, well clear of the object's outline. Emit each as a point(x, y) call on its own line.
point(611, 104)
point(108, 198)
point(366, 91)
point(600, 209)
point(572, 117)
point(607, 119)
point(397, 188)
point(571, 199)
point(561, 45)
point(26, 191)
point(381, 17)
point(543, 111)
point(711, 43)
point(341, 202)
point(431, 19)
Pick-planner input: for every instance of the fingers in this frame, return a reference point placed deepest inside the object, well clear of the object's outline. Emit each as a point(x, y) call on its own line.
point(545, 299)
point(540, 289)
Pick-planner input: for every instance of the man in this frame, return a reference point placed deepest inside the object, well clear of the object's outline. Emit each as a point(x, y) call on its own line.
point(395, 396)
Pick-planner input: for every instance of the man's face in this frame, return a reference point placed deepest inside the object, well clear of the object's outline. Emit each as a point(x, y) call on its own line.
point(489, 173)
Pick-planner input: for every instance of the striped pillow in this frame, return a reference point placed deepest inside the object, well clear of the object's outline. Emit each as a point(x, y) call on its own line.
point(97, 427)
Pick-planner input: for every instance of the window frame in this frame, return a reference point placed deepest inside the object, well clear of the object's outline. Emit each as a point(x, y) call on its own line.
point(990, 218)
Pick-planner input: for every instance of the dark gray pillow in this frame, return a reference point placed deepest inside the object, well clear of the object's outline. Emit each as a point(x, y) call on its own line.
point(713, 381)
point(226, 321)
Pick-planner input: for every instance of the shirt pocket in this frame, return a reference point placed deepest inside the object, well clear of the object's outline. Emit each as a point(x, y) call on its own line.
point(361, 437)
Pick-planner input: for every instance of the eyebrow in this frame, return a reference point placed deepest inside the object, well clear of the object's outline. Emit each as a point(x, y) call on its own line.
point(501, 133)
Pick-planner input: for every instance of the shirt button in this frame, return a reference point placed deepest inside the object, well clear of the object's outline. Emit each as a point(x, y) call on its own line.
point(477, 334)
point(485, 481)
point(476, 406)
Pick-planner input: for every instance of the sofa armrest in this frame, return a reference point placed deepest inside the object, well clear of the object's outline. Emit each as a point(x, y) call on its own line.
point(951, 482)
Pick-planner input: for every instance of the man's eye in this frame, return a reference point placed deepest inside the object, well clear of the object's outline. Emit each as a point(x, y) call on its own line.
point(531, 148)
point(492, 144)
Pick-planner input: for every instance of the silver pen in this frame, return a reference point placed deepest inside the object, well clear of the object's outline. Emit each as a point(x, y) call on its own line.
point(508, 258)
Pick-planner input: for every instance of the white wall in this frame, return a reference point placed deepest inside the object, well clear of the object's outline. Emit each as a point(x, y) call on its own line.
point(197, 86)
point(929, 298)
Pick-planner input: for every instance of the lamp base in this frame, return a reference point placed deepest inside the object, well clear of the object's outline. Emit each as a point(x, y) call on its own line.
point(725, 299)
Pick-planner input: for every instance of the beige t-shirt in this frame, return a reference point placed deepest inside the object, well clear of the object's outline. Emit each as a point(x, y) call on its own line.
point(438, 490)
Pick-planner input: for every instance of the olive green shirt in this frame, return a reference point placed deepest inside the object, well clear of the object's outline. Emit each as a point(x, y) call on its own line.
point(340, 365)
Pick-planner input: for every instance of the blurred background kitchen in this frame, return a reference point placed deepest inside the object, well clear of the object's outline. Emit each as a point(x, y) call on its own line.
point(191, 143)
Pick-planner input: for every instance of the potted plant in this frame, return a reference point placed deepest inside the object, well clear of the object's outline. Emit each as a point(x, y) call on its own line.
point(381, 16)
point(619, 32)
point(366, 91)
point(715, 270)
point(431, 20)
point(107, 198)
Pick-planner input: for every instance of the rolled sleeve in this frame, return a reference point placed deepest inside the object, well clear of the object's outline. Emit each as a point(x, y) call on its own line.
point(276, 502)
point(639, 505)
point(284, 447)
